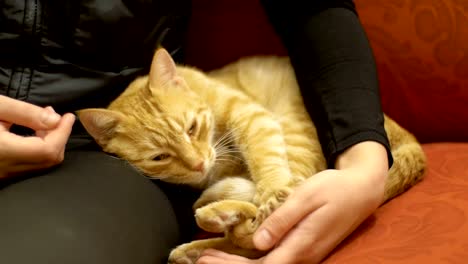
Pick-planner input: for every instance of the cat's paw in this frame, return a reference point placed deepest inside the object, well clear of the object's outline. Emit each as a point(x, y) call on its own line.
point(184, 254)
point(189, 253)
point(269, 202)
point(220, 216)
point(214, 221)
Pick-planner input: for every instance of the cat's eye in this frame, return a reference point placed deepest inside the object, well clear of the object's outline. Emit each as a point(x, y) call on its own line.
point(192, 128)
point(161, 157)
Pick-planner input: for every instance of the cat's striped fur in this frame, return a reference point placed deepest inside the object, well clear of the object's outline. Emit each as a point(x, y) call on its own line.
point(241, 133)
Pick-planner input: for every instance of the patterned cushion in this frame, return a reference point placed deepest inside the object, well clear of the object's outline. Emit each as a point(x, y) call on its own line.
point(421, 48)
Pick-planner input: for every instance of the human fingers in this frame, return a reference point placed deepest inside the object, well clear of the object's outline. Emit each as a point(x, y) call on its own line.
point(43, 133)
point(317, 234)
point(212, 256)
point(300, 203)
point(219, 260)
point(4, 126)
point(16, 165)
point(16, 159)
point(20, 154)
point(36, 149)
point(58, 137)
point(25, 114)
point(15, 169)
point(301, 244)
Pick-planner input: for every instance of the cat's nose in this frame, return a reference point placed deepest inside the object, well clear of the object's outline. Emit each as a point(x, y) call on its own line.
point(200, 167)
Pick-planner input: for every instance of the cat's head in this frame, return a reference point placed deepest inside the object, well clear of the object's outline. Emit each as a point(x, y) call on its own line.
point(160, 126)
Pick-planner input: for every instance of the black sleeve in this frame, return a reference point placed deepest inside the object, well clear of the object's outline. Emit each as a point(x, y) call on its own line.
point(335, 70)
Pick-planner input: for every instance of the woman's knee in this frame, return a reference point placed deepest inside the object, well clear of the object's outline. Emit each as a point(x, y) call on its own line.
point(92, 209)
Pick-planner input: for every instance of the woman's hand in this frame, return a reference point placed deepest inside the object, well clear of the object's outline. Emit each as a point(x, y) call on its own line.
point(20, 154)
point(321, 212)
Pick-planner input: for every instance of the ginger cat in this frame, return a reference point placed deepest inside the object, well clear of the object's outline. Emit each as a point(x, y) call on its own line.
point(240, 133)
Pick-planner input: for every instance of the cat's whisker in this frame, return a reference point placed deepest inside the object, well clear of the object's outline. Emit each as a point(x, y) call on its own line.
point(221, 147)
point(226, 160)
point(227, 152)
point(234, 159)
point(231, 157)
point(227, 149)
point(228, 134)
point(225, 145)
point(223, 159)
point(225, 138)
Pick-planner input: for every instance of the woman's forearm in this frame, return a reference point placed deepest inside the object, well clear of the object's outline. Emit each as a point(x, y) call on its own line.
point(335, 70)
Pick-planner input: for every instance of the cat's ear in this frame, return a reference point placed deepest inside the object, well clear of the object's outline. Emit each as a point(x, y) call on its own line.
point(163, 70)
point(100, 123)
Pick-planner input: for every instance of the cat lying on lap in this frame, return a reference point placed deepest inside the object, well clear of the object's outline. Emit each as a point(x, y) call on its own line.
point(240, 133)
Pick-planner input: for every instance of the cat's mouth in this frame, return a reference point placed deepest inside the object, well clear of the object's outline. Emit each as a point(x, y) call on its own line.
point(198, 179)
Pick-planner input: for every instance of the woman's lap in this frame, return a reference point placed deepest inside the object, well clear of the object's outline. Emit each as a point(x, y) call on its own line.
point(92, 209)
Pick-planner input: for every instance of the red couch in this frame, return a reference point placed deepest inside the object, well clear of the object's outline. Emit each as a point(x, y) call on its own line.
point(421, 49)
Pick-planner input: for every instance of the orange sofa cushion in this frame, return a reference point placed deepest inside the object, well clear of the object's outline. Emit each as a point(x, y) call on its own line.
point(428, 224)
point(421, 49)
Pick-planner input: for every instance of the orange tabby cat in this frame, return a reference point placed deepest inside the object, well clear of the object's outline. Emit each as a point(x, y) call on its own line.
point(240, 133)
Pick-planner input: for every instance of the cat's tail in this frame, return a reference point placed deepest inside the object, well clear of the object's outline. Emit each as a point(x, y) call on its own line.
point(409, 160)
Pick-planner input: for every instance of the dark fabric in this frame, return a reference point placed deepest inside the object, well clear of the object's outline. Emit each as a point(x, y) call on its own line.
point(75, 54)
point(92, 209)
point(335, 70)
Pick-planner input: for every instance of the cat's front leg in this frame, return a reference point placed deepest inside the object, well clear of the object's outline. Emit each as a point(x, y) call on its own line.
point(189, 253)
point(268, 202)
point(260, 138)
point(227, 207)
point(231, 217)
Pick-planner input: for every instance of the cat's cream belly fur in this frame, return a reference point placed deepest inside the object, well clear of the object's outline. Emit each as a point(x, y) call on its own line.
point(166, 123)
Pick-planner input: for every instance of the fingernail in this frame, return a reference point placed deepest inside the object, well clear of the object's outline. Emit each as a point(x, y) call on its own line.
point(263, 239)
point(50, 119)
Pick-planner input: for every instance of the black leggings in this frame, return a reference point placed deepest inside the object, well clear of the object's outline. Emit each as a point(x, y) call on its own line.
point(92, 209)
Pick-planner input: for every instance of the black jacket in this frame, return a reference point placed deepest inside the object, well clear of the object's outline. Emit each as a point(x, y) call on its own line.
point(73, 54)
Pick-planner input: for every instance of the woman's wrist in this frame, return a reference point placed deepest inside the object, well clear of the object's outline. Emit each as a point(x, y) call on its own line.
point(368, 160)
point(369, 155)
